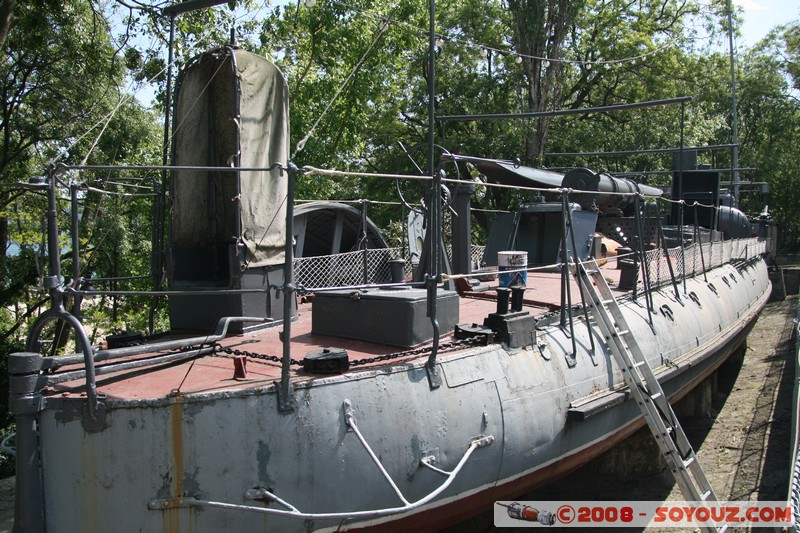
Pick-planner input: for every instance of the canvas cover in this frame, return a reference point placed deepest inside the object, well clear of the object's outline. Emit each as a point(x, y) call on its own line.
point(216, 208)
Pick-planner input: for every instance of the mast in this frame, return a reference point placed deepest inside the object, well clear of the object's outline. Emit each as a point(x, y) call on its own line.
point(735, 118)
point(159, 209)
point(431, 85)
point(433, 235)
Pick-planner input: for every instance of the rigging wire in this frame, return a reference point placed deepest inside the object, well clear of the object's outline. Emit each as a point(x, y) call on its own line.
point(104, 122)
point(385, 23)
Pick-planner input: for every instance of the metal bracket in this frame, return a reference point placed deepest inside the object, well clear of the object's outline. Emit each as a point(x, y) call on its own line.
point(543, 350)
point(96, 423)
point(285, 398)
point(25, 383)
point(162, 504)
point(434, 380)
point(430, 457)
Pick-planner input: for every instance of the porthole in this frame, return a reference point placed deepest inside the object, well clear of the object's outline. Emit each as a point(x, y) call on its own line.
point(696, 299)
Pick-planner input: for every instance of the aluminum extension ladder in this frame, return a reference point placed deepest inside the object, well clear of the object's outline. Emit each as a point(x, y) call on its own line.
point(645, 388)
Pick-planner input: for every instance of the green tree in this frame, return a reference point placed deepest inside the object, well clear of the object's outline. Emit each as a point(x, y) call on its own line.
point(62, 82)
point(791, 38)
point(358, 78)
point(770, 127)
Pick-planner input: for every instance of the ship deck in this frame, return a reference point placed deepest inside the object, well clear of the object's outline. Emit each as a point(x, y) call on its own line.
point(215, 373)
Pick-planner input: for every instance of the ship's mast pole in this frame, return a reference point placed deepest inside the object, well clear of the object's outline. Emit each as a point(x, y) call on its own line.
point(157, 264)
point(431, 86)
point(735, 118)
point(433, 275)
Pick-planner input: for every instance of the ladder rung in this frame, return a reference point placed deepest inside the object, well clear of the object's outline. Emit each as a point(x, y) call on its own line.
point(625, 349)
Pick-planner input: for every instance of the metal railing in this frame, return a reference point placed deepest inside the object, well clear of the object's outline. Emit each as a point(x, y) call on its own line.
point(794, 481)
point(695, 259)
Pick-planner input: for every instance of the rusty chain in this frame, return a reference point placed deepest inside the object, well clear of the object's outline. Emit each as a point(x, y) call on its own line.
point(415, 351)
point(219, 349)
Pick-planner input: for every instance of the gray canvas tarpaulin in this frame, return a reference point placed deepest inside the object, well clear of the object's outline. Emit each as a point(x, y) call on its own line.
point(213, 209)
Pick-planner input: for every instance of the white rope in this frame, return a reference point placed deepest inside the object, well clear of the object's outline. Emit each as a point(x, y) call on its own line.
point(359, 201)
point(117, 193)
point(314, 171)
point(532, 270)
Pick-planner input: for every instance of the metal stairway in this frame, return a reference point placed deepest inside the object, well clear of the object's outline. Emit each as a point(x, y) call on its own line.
point(645, 388)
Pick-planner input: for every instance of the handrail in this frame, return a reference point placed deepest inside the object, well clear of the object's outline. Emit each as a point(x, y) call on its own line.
point(220, 332)
point(4, 446)
point(81, 340)
point(291, 511)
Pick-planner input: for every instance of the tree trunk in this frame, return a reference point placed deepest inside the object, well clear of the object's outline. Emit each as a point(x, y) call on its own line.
point(540, 29)
point(4, 235)
point(6, 18)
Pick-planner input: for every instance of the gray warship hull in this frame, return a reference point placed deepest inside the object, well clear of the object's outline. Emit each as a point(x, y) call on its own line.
point(200, 461)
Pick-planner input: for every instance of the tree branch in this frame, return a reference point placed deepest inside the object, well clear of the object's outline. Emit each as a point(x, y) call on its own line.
point(31, 310)
point(6, 19)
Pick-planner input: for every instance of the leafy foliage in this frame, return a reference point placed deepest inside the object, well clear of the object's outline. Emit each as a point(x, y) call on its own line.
point(63, 84)
point(359, 81)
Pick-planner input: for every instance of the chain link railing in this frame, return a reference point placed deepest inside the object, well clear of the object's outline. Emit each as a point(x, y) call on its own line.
point(347, 269)
point(477, 254)
point(691, 260)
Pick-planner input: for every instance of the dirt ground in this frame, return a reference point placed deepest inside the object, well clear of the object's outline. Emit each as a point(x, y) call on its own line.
point(742, 437)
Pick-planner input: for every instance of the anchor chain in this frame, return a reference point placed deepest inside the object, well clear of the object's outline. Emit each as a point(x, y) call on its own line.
point(416, 351)
point(219, 349)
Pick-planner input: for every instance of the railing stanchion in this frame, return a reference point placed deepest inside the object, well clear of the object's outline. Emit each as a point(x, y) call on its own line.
point(285, 400)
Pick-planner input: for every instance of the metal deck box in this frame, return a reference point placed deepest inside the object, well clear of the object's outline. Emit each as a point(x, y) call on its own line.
point(397, 317)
